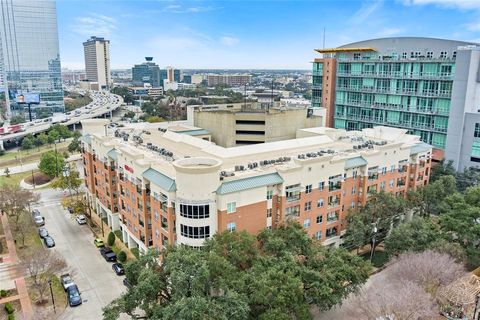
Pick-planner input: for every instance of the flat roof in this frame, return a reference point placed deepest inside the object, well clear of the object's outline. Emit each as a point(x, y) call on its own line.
point(333, 50)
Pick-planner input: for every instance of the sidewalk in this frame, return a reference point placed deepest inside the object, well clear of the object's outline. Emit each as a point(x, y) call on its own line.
point(34, 165)
point(10, 271)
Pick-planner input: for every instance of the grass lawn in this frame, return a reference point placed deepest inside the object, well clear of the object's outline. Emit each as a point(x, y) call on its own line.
point(14, 179)
point(379, 258)
point(27, 156)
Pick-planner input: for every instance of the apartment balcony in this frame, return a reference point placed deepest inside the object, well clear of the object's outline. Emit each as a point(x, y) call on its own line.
point(372, 176)
point(334, 186)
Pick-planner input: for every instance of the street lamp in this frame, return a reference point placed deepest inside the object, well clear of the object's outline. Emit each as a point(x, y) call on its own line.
point(66, 174)
point(51, 293)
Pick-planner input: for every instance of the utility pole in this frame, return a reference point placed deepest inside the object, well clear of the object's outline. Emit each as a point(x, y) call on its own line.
point(56, 159)
point(373, 241)
point(51, 293)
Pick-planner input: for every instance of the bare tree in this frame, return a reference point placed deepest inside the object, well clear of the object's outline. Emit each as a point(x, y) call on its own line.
point(15, 200)
point(428, 269)
point(23, 226)
point(42, 265)
point(396, 301)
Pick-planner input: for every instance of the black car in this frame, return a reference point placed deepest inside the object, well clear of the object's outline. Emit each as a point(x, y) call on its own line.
point(73, 296)
point(126, 283)
point(49, 242)
point(108, 254)
point(118, 268)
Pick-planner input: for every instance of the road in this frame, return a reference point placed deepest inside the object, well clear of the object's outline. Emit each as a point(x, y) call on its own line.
point(94, 276)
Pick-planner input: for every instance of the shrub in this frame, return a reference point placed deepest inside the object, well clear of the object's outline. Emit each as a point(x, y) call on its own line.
point(111, 239)
point(122, 256)
point(135, 252)
point(9, 308)
point(11, 316)
point(3, 293)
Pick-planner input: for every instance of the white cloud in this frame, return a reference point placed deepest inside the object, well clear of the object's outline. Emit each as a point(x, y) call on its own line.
point(388, 32)
point(367, 9)
point(229, 41)
point(473, 26)
point(457, 4)
point(94, 25)
point(176, 8)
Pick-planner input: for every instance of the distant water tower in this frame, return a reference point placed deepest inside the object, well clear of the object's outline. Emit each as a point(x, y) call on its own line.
point(149, 59)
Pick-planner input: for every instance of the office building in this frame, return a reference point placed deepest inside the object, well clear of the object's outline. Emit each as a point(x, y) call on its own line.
point(172, 187)
point(146, 91)
point(187, 78)
point(147, 72)
point(197, 78)
point(30, 55)
point(233, 80)
point(97, 61)
point(411, 83)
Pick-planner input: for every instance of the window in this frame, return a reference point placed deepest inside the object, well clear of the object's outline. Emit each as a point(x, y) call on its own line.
point(308, 206)
point(392, 168)
point(155, 216)
point(195, 211)
point(384, 170)
point(232, 226)
point(331, 232)
point(332, 216)
point(320, 203)
point(319, 219)
point(354, 174)
point(318, 235)
point(292, 193)
point(306, 223)
point(231, 207)
point(354, 190)
point(308, 189)
point(269, 194)
point(164, 223)
point(352, 205)
point(392, 183)
point(292, 211)
point(321, 185)
point(333, 201)
point(195, 232)
point(476, 131)
point(269, 213)
point(382, 185)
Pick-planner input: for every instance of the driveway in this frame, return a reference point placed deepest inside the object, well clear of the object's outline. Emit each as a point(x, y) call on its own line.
point(95, 278)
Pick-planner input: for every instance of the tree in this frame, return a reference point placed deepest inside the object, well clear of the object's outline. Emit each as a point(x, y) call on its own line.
point(53, 136)
point(442, 169)
point(41, 265)
point(63, 131)
point(41, 140)
point(358, 233)
point(17, 120)
point(74, 146)
point(277, 274)
point(51, 164)
point(28, 142)
point(417, 235)
point(15, 200)
point(70, 181)
point(7, 172)
point(129, 114)
point(122, 256)
point(23, 227)
point(429, 199)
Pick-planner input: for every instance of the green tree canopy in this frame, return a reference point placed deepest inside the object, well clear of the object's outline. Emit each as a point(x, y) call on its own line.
point(277, 274)
point(51, 164)
point(28, 142)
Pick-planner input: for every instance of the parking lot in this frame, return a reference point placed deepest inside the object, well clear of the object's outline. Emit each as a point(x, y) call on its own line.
point(94, 276)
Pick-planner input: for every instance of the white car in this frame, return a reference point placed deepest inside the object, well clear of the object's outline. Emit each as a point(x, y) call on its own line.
point(81, 219)
point(39, 221)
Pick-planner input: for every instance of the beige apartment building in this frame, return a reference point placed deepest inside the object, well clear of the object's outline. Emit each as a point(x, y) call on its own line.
point(162, 187)
point(238, 124)
point(233, 80)
point(97, 61)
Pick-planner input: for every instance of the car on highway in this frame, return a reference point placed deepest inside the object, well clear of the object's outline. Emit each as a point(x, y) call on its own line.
point(73, 295)
point(39, 221)
point(42, 232)
point(108, 254)
point(118, 268)
point(66, 281)
point(98, 243)
point(49, 242)
point(81, 219)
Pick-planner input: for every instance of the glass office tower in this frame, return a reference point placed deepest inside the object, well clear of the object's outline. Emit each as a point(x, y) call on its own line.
point(31, 59)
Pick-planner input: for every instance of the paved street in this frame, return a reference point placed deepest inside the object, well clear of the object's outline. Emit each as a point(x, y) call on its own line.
point(93, 275)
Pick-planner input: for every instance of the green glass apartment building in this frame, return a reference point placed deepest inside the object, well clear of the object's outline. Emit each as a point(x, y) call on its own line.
point(399, 82)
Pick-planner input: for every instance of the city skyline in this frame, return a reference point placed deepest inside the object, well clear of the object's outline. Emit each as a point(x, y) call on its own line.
point(220, 34)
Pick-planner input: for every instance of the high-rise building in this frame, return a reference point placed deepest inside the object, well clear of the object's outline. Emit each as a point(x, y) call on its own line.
point(233, 80)
point(147, 72)
point(97, 61)
point(413, 83)
point(30, 56)
point(176, 187)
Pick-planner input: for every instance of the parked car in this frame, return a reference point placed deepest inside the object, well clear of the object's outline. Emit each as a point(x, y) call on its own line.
point(126, 283)
point(70, 209)
point(81, 219)
point(118, 268)
point(66, 281)
point(39, 221)
point(98, 243)
point(49, 242)
point(35, 213)
point(73, 295)
point(42, 232)
point(108, 254)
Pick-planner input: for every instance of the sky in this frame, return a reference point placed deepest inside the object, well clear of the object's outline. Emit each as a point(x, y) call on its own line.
point(250, 34)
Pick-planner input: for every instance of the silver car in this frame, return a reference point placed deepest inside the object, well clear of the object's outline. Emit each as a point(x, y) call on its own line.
point(39, 221)
point(42, 232)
